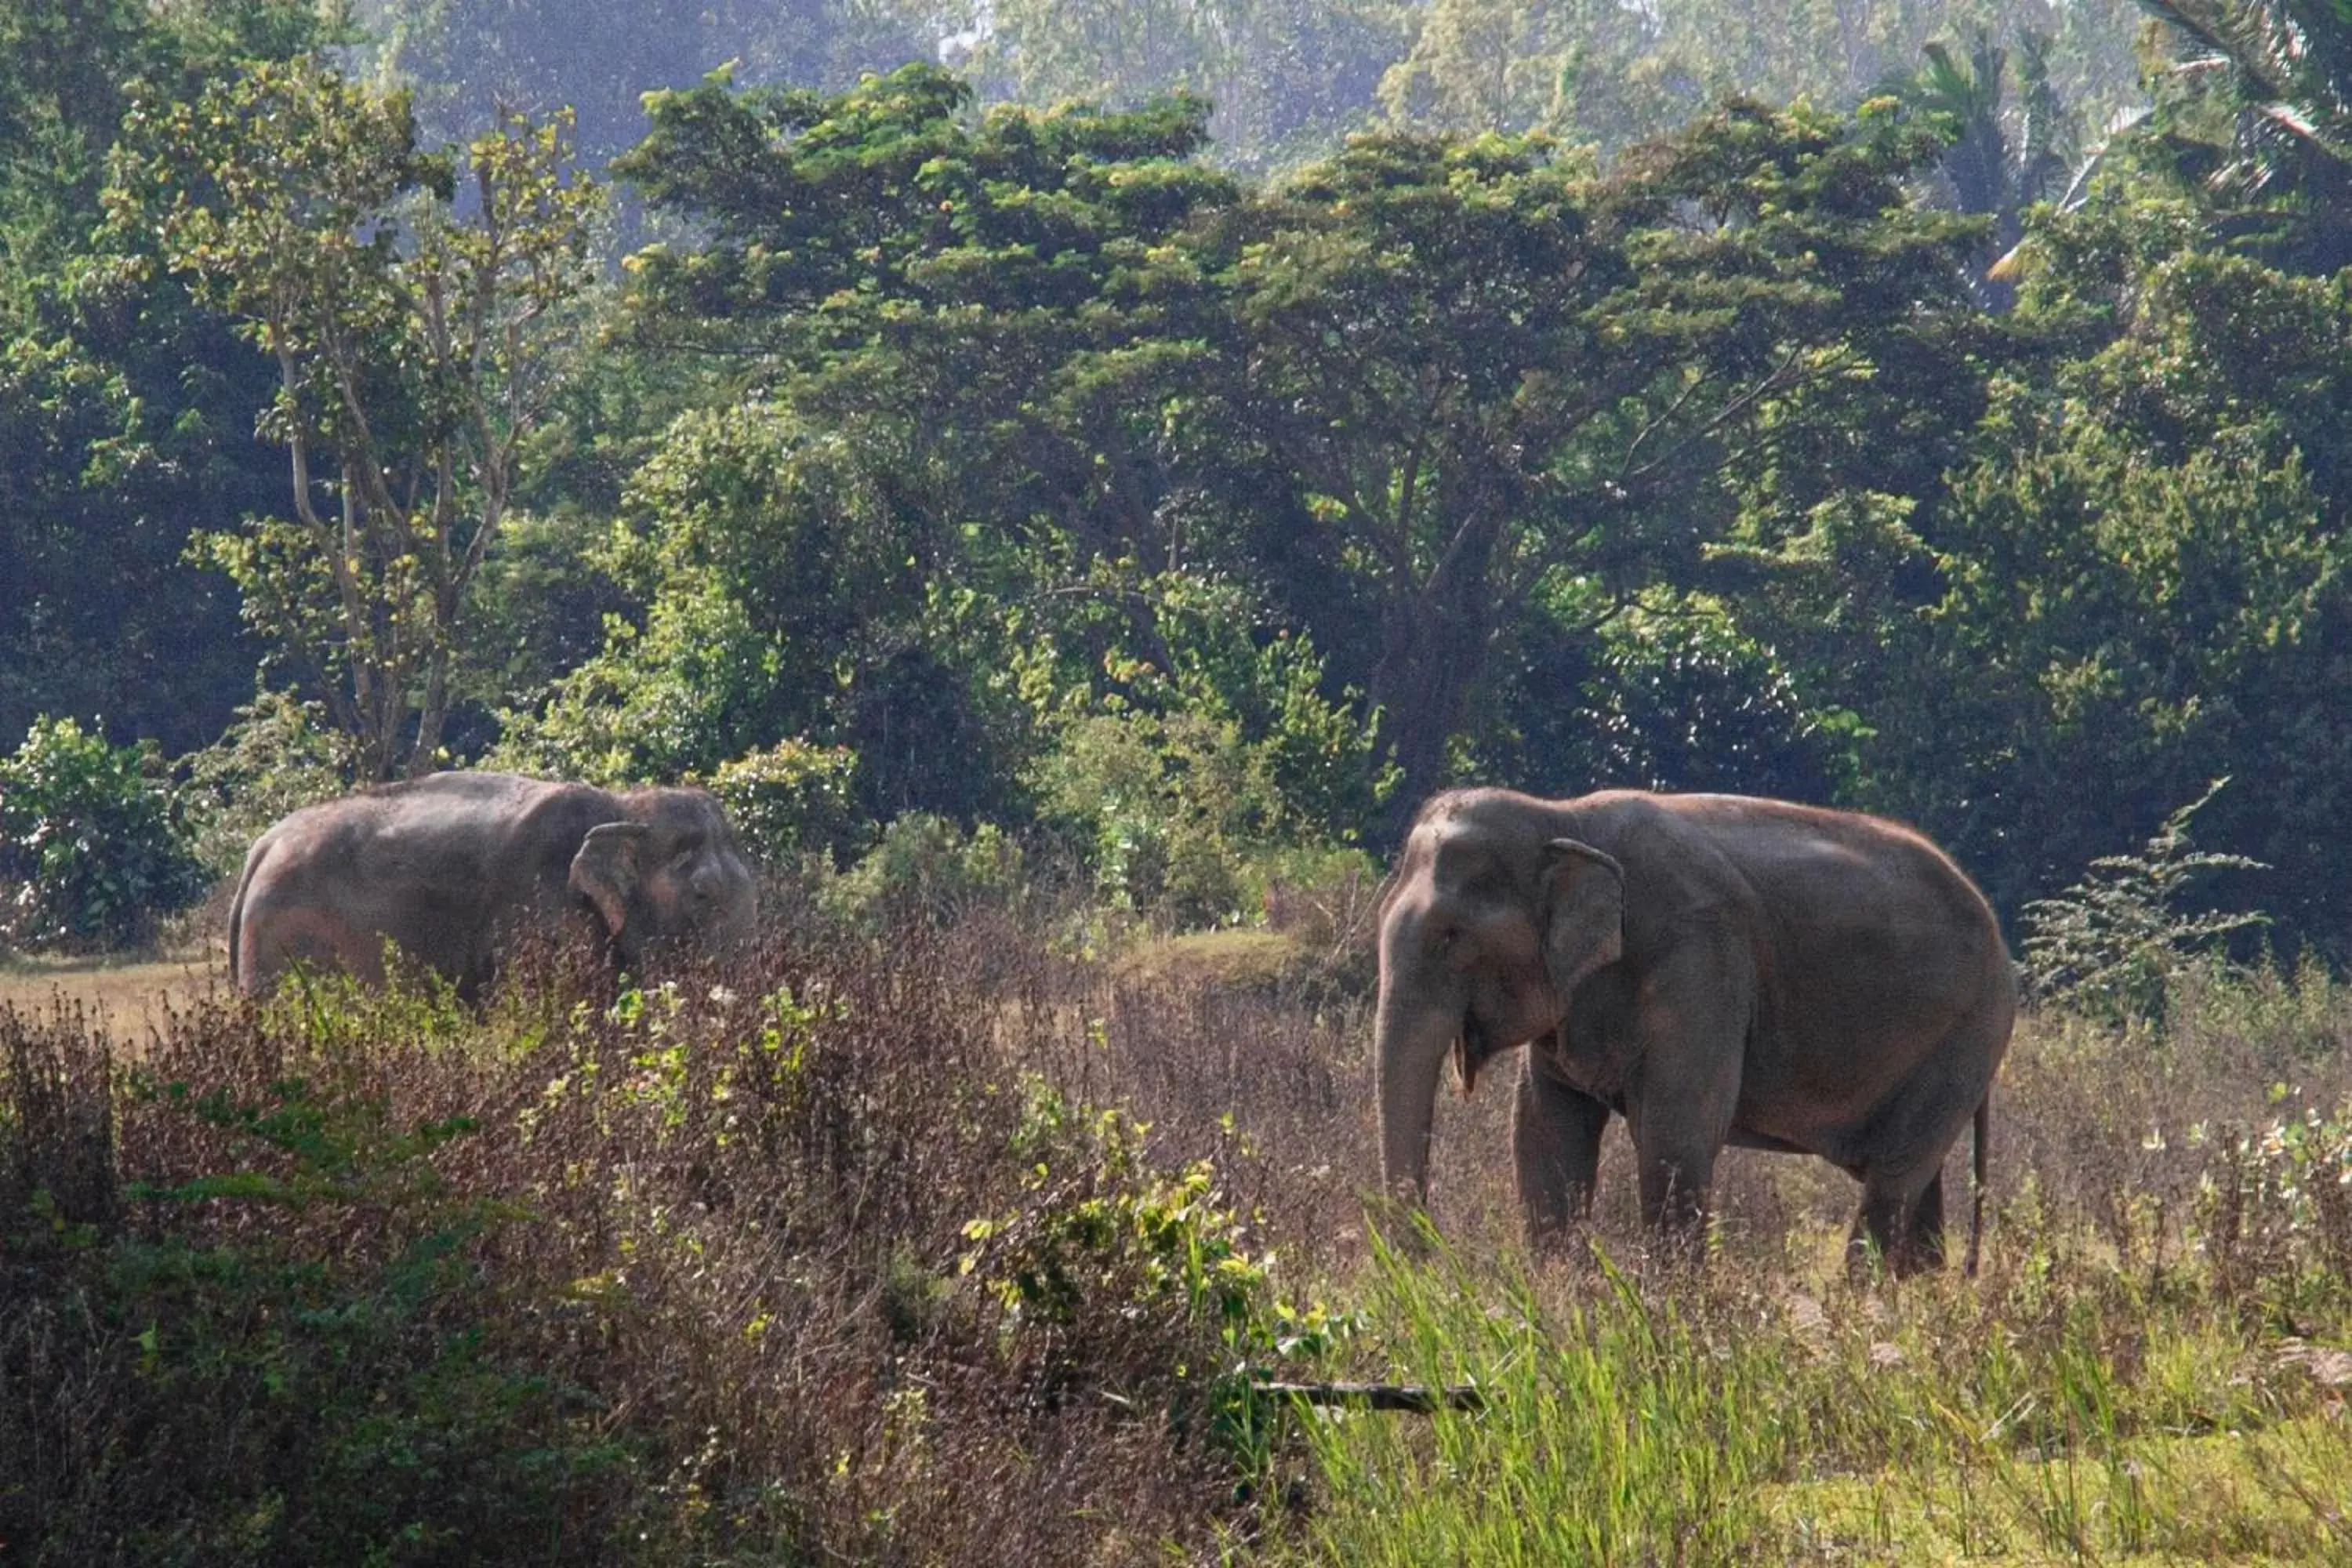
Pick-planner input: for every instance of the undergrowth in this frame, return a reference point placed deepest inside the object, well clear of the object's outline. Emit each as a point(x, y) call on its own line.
point(794, 1265)
point(936, 1247)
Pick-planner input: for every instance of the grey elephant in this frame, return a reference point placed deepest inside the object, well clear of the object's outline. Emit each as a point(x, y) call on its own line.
point(1718, 970)
point(451, 867)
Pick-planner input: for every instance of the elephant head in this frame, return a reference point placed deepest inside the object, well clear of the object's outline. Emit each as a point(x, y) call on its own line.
point(671, 869)
point(1488, 928)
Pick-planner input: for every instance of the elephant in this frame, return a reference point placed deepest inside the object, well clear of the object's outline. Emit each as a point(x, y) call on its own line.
point(1718, 970)
point(453, 867)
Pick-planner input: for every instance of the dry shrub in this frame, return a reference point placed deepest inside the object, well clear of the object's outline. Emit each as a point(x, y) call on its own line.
point(608, 1274)
point(2154, 1139)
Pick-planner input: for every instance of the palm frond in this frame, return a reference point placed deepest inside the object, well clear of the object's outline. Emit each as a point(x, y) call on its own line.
point(2252, 38)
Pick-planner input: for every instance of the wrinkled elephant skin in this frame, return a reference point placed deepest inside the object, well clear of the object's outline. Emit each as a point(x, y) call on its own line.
point(1714, 969)
point(453, 867)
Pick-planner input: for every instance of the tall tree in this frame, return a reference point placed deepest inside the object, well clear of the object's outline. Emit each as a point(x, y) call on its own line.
point(1287, 76)
point(1492, 377)
point(415, 348)
point(2257, 114)
point(2011, 141)
point(1591, 69)
point(466, 60)
point(1108, 51)
point(933, 319)
point(126, 412)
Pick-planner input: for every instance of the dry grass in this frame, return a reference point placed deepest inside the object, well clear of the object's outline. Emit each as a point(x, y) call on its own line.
point(349, 1277)
point(698, 1275)
point(133, 998)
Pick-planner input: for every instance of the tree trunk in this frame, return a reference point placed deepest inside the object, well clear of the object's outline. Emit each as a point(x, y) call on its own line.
point(1433, 655)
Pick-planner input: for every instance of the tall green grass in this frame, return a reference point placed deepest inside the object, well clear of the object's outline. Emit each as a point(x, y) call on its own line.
point(2154, 1366)
point(2061, 1411)
point(1612, 1429)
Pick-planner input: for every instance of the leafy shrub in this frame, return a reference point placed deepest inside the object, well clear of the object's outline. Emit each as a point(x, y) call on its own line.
point(1101, 1240)
point(1670, 695)
point(278, 756)
point(1165, 809)
point(2116, 942)
point(661, 702)
point(926, 869)
point(90, 841)
point(791, 798)
point(1174, 776)
point(1179, 816)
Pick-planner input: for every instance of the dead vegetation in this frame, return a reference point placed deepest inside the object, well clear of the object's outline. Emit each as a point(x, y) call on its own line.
point(937, 1246)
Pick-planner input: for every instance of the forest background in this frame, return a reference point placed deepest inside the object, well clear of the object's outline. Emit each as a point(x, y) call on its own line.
point(1163, 441)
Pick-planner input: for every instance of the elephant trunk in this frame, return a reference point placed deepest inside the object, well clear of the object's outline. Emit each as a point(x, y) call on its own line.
point(1410, 1045)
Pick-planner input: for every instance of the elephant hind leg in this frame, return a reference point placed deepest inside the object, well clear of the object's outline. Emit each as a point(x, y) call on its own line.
point(1902, 1153)
point(1901, 1223)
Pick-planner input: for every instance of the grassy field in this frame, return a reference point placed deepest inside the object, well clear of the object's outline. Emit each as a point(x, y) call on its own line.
point(128, 997)
point(940, 1247)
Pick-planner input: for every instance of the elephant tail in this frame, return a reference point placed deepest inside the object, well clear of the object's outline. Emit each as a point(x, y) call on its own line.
point(1976, 1193)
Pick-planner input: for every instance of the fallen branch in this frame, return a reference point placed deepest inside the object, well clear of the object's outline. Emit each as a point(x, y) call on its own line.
point(1402, 1396)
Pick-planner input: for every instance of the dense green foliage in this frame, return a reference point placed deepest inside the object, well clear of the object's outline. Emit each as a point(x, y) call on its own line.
point(126, 413)
point(91, 846)
point(1168, 486)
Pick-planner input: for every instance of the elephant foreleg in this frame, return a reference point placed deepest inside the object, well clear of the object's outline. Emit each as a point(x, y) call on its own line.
point(1556, 1132)
point(1677, 1179)
point(1691, 1017)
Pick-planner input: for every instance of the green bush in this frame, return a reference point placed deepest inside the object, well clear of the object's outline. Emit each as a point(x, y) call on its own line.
point(281, 754)
point(1170, 812)
point(1103, 1241)
point(793, 797)
point(1177, 773)
point(927, 869)
point(666, 701)
point(268, 1399)
point(91, 849)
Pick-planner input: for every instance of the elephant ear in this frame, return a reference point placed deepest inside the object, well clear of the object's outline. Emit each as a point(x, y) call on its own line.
point(606, 869)
point(1584, 912)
